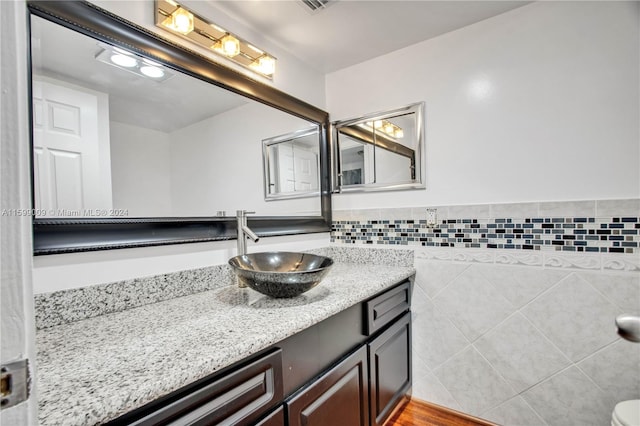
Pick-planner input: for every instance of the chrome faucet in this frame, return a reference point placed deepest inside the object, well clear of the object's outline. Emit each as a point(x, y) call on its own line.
point(244, 232)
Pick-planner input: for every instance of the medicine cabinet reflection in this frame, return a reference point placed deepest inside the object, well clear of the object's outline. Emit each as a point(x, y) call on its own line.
point(380, 151)
point(291, 165)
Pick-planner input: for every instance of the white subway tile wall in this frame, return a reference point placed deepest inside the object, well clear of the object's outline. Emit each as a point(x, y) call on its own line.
point(519, 335)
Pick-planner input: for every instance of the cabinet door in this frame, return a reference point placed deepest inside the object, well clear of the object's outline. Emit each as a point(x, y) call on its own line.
point(339, 397)
point(276, 418)
point(390, 363)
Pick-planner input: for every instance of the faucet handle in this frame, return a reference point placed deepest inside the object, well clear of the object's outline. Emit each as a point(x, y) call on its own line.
point(240, 213)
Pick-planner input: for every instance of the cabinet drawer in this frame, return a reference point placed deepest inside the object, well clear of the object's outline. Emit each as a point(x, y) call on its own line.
point(240, 397)
point(383, 309)
point(339, 397)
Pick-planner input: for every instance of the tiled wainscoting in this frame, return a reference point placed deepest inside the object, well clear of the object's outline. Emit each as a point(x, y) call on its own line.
point(523, 337)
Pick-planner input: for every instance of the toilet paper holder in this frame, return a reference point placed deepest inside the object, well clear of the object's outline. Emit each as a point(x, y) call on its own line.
point(629, 327)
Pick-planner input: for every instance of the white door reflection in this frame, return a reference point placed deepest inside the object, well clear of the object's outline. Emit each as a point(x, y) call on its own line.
point(291, 165)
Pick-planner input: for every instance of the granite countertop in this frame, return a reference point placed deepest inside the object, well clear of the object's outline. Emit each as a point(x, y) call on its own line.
point(97, 369)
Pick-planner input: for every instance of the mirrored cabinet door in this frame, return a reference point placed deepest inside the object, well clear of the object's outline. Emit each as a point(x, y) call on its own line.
point(382, 151)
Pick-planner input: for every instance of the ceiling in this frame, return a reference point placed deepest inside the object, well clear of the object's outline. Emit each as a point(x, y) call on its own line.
point(348, 32)
point(180, 101)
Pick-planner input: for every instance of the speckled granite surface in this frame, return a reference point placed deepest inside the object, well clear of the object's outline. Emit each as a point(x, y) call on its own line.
point(62, 307)
point(94, 370)
point(66, 306)
point(362, 255)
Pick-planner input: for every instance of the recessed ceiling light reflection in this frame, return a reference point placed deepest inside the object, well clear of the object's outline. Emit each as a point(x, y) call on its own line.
point(132, 63)
point(151, 71)
point(124, 60)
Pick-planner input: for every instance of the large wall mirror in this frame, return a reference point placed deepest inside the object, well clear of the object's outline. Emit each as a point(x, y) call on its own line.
point(381, 151)
point(138, 141)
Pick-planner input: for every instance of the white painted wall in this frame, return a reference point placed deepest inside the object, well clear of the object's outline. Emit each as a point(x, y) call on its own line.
point(140, 166)
point(17, 329)
point(216, 164)
point(540, 103)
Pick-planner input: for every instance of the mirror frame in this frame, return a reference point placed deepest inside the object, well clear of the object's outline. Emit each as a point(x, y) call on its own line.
point(67, 235)
point(418, 156)
point(266, 143)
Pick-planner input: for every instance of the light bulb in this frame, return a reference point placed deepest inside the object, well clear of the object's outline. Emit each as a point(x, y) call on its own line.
point(124, 60)
point(181, 20)
point(265, 64)
point(230, 45)
point(388, 128)
point(399, 133)
point(377, 124)
point(151, 71)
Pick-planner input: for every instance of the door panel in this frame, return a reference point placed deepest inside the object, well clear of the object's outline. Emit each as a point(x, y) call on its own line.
point(68, 168)
point(390, 357)
point(339, 397)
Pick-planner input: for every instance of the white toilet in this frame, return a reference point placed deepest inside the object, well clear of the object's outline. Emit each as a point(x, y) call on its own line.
point(626, 413)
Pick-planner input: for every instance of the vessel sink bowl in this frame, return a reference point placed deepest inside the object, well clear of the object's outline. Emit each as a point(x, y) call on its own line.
point(280, 274)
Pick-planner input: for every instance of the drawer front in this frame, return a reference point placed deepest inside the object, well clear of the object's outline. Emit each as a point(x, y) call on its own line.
point(238, 398)
point(339, 397)
point(383, 309)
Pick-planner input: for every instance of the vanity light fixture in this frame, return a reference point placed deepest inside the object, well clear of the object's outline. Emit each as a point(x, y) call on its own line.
point(178, 19)
point(135, 64)
point(265, 64)
point(228, 46)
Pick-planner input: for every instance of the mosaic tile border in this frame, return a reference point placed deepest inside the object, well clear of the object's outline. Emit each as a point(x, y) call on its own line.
point(571, 234)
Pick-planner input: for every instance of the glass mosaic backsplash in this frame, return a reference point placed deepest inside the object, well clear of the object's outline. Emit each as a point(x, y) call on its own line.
point(575, 234)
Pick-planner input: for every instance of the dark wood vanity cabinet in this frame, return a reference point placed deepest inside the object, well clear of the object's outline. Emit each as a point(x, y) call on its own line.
point(390, 368)
point(339, 397)
point(275, 418)
point(238, 397)
point(365, 387)
point(351, 369)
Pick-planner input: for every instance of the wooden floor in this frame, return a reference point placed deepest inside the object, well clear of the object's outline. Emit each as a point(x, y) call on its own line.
point(420, 413)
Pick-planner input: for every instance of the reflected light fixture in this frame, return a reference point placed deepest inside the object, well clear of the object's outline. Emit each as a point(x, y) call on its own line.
point(178, 19)
point(131, 62)
point(124, 60)
point(386, 127)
